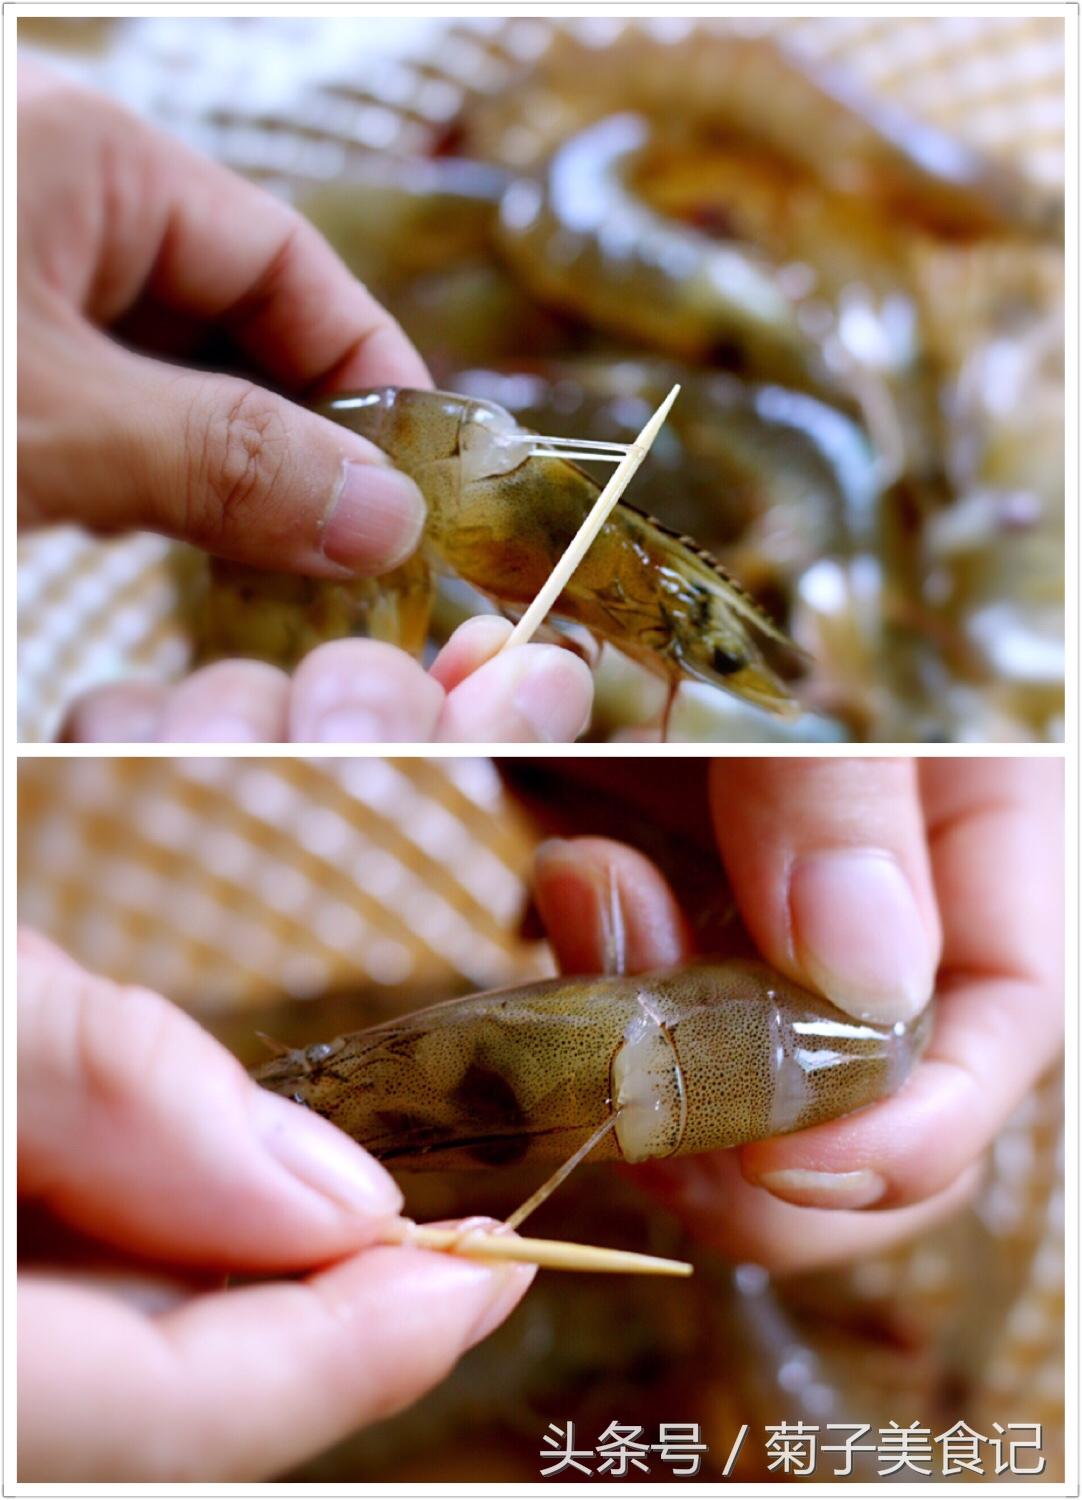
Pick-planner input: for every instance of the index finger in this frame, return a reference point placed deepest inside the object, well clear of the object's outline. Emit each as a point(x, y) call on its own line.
point(138, 1129)
point(231, 253)
point(242, 1384)
point(995, 831)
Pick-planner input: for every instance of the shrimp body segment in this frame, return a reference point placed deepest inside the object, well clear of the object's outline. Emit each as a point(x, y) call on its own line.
point(689, 1059)
point(501, 518)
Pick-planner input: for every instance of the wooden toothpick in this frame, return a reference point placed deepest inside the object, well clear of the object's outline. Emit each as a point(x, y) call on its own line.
point(580, 544)
point(555, 1255)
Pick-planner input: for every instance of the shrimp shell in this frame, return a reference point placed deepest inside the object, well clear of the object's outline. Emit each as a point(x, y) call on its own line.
point(500, 519)
point(690, 1059)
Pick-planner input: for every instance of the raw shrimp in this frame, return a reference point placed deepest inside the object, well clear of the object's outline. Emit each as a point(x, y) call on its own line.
point(992, 560)
point(721, 200)
point(769, 479)
point(714, 252)
point(761, 92)
point(499, 518)
point(421, 236)
point(581, 238)
point(688, 1059)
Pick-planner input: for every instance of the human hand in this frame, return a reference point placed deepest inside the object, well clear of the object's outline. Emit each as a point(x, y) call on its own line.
point(150, 1166)
point(122, 230)
point(358, 692)
point(858, 879)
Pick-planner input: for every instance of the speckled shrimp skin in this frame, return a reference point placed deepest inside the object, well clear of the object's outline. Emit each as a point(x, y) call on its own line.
point(500, 518)
point(689, 1059)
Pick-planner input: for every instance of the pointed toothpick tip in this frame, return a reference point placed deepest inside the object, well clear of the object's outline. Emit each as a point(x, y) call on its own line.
point(663, 410)
point(554, 1255)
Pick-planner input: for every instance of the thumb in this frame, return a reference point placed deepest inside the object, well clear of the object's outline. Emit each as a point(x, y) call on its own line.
point(212, 460)
point(829, 864)
point(138, 1129)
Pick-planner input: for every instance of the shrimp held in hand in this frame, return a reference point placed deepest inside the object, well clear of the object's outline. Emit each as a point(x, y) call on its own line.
point(500, 517)
point(689, 1059)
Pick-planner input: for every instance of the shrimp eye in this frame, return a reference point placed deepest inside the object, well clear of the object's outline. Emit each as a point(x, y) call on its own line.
point(319, 1052)
point(725, 662)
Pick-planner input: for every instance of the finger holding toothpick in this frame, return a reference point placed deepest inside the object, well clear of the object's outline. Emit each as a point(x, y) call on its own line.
point(500, 1243)
point(557, 1255)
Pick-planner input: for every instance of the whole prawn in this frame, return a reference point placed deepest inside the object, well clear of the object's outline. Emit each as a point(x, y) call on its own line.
point(684, 1060)
point(499, 518)
point(722, 200)
point(760, 91)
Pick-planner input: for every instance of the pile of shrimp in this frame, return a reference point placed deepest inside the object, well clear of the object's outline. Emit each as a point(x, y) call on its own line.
point(867, 319)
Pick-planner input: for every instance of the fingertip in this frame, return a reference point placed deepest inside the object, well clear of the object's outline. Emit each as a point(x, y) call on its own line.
point(893, 1154)
point(509, 1281)
point(829, 863)
point(475, 642)
point(34, 947)
point(533, 693)
point(743, 1221)
point(140, 1129)
point(375, 518)
point(362, 692)
point(859, 934)
point(606, 907)
point(119, 712)
point(385, 356)
point(377, 1330)
point(323, 1157)
point(446, 1304)
point(230, 702)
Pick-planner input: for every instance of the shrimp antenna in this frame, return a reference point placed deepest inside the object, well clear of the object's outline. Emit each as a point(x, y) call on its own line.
point(561, 1174)
point(273, 1045)
point(557, 1255)
point(582, 540)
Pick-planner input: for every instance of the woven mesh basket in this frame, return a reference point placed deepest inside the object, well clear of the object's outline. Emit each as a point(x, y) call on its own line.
point(228, 883)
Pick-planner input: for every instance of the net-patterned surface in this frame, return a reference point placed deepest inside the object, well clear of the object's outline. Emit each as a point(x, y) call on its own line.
point(227, 883)
point(276, 97)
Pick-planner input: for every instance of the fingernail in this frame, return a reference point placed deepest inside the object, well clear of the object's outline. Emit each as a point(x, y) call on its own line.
point(554, 696)
point(377, 711)
point(859, 1189)
point(858, 933)
point(352, 725)
point(497, 1285)
point(223, 729)
point(375, 520)
point(323, 1158)
point(582, 899)
point(507, 1282)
